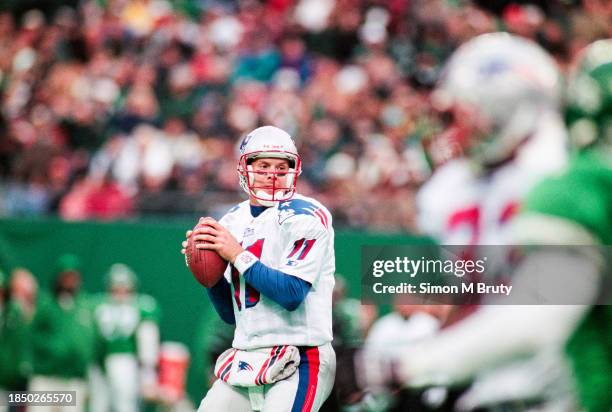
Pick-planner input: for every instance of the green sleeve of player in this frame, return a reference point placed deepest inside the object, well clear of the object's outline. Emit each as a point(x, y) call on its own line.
point(581, 199)
point(582, 196)
point(590, 352)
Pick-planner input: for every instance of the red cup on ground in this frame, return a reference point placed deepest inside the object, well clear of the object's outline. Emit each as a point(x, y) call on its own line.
point(173, 363)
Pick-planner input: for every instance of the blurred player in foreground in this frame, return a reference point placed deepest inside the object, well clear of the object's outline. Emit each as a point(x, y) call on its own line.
point(277, 288)
point(128, 344)
point(499, 95)
point(493, 336)
point(499, 98)
point(579, 204)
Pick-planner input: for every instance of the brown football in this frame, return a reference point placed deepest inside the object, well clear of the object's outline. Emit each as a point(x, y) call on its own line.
point(205, 265)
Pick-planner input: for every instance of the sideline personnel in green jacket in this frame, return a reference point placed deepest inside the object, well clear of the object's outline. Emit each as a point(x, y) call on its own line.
point(63, 336)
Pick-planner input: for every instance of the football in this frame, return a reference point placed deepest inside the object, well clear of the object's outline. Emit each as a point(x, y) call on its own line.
point(205, 265)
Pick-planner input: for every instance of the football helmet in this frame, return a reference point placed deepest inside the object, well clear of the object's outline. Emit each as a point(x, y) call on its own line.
point(121, 275)
point(589, 97)
point(269, 142)
point(495, 88)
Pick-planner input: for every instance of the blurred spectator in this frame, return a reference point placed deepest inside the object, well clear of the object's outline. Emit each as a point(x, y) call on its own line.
point(258, 59)
point(294, 55)
point(62, 336)
point(141, 106)
point(91, 198)
point(23, 291)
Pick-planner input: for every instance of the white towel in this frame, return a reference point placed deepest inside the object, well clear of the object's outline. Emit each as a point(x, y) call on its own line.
point(258, 366)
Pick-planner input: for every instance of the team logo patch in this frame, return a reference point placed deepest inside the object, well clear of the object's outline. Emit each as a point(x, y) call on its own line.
point(244, 366)
point(245, 141)
point(296, 207)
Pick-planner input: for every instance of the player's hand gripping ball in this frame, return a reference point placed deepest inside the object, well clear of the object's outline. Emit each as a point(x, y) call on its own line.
point(205, 265)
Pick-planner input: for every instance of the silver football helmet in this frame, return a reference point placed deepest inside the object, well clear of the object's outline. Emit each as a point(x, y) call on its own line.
point(502, 83)
point(268, 142)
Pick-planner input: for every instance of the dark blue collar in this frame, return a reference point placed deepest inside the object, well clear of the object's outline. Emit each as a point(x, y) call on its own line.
point(257, 210)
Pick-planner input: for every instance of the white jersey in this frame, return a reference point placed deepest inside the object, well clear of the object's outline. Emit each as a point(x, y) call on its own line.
point(297, 238)
point(458, 206)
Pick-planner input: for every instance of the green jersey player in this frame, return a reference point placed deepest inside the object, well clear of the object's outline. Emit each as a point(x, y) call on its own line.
point(128, 344)
point(581, 200)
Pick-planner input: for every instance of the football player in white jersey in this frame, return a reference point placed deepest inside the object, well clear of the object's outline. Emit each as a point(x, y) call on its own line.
point(278, 286)
point(502, 92)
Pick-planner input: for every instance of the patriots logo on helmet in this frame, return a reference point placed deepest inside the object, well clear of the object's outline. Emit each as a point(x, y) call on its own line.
point(493, 67)
point(245, 141)
point(244, 366)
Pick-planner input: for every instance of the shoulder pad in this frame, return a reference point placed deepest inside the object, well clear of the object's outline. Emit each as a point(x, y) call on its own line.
point(233, 213)
point(296, 208)
point(147, 303)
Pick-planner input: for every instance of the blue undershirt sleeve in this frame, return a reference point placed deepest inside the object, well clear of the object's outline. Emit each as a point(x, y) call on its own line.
point(286, 290)
point(221, 297)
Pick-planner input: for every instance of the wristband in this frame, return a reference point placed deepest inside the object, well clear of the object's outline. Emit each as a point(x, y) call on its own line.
point(244, 261)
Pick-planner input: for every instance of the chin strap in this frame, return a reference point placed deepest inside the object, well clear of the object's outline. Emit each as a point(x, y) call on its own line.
point(265, 199)
point(250, 175)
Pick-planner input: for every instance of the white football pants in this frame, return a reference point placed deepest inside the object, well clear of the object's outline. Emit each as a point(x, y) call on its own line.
point(304, 391)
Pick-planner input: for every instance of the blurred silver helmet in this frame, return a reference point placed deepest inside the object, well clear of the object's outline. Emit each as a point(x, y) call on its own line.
point(588, 110)
point(505, 82)
point(121, 275)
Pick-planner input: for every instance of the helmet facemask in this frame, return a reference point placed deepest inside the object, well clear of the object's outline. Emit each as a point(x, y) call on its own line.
point(275, 191)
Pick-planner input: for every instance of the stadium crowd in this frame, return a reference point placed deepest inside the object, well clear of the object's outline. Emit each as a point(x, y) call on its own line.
point(119, 109)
